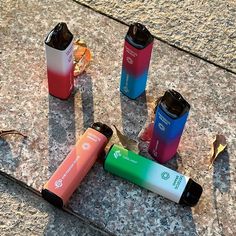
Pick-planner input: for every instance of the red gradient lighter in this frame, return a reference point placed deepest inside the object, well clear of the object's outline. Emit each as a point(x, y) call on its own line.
point(76, 165)
point(59, 56)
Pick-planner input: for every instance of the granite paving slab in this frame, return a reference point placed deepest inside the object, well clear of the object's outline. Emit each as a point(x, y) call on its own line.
point(205, 28)
point(25, 213)
point(53, 125)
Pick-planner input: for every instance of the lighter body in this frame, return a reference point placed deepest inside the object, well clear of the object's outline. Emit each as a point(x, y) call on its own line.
point(171, 116)
point(76, 165)
point(136, 58)
point(152, 176)
point(59, 57)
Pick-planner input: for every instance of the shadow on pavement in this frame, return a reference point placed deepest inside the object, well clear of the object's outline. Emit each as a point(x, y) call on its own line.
point(134, 114)
point(34, 216)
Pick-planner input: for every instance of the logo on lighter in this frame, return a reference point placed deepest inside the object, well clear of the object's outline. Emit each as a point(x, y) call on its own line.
point(58, 183)
point(117, 154)
point(161, 126)
point(165, 175)
point(129, 60)
point(85, 146)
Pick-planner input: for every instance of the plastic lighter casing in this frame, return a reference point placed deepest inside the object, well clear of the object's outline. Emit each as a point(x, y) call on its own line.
point(76, 165)
point(152, 176)
point(136, 58)
point(171, 116)
point(59, 56)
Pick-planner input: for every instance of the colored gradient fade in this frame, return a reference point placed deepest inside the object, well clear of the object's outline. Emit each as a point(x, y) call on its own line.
point(166, 135)
point(135, 70)
point(145, 173)
point(60, 84)
point(75, 166)
point(60, 71)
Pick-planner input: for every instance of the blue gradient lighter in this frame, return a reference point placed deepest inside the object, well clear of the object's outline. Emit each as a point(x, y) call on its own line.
point(136, 58)
point(171, 116)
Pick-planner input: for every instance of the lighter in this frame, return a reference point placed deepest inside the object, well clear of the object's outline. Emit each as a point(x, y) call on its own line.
point(136, 58)
point(76, 165)
point(59, 56)
point(152, 176)
point(171, 115)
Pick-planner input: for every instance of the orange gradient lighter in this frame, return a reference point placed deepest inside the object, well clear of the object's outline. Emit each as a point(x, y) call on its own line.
point(76, 165)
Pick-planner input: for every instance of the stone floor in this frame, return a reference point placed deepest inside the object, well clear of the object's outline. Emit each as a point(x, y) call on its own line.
point(25, 213)
point(205, 28)
point(53, 126)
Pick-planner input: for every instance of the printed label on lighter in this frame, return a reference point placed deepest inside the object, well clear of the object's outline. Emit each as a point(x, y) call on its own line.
point(126, 89)
point(93, 137)
point(166, 182)
point(162, 118)
point(59, 182)
point(127, 158)
point(130, 52)
point(155, 149)
point(148, 174)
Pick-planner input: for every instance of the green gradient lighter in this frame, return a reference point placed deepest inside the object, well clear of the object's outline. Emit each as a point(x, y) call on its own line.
point(152, 176)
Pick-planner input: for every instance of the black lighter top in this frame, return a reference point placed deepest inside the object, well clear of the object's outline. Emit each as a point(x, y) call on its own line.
point(139, 36)
point(60, 37)
point(191, 194)
point(173, 104)
point(103, 128)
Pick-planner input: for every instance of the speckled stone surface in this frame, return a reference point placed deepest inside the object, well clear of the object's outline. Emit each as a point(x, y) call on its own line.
point(24, 213)
point(205, 28)
point(53, 125)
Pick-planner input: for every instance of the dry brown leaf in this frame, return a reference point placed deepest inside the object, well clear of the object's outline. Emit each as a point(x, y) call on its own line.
point(146, 133)
point(82, 57)
point(8, 132)
point(218, 146)
point(126, 142)
point(152, 104)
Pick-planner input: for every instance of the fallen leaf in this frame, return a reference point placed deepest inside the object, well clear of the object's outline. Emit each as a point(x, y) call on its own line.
point(82, 57)
point(126, 142)
point(152, 105)
point(218, 146)
point(8, 132)
point(79, 42)
point(146, 133)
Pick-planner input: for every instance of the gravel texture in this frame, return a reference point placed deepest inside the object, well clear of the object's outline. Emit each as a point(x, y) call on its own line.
point(24, 213)
point(205, 28)
point(53, 125)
